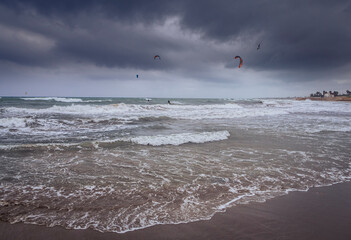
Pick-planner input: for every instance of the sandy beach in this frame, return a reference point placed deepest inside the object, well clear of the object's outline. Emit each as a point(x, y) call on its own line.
point(320, 213)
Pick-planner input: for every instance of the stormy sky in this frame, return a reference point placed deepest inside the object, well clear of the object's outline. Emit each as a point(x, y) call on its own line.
point(96, 48)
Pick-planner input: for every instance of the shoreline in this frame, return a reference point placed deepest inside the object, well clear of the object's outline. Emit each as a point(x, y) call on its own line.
point(319, 213)
point(335, 99)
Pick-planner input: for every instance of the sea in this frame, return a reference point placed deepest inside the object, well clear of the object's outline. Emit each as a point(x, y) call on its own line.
point(122, 164)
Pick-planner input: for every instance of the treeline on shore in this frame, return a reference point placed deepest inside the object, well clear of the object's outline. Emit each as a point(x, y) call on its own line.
point(331, 94)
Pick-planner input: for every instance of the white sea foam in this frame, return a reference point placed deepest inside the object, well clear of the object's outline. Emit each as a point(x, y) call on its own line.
point(45, 128)
point(181, 138)
point(294, 106)
point(192, 112)
point(57, 99)
point(177, 102)
point(134, 111)
point(96, 100)
point(94, 119)
point(13, 122)
point(115, 182)
point(316, 123)
point(67, 100)
point(227, 204)
point(159, 140)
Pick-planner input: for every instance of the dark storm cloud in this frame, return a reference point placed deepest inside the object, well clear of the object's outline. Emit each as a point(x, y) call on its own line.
point(98, 32)
point(298, 35)
point(123, 9)
point(295, 34)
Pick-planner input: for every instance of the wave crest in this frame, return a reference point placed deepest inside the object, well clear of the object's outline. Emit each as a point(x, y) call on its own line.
point(181, 138)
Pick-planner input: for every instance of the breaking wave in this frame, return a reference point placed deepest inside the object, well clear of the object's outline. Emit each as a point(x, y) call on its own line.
point(135, 111)
point(57, 99)
point(178, 139)
point(158, 140)
point(61, 99)
point(126, 166)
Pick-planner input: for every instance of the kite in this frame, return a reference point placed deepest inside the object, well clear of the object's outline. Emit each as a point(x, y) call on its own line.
point(241, 61)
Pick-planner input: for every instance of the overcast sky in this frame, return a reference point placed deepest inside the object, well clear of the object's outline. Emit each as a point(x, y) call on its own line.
point(96, 48)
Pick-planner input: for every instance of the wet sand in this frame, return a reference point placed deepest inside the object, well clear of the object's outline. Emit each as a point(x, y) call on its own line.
point(320, 213)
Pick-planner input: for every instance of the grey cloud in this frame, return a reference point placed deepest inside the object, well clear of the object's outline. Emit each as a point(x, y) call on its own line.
point(302, 35)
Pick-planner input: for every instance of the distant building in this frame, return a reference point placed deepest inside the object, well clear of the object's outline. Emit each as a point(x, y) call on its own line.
point(327, 94)
point(331, 96)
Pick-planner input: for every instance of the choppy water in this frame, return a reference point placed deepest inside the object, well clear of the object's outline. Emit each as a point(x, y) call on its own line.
point(115, 164)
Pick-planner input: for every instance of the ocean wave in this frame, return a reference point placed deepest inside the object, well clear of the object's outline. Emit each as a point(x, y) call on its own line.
point(177, 103)
point(294, 106)
point(52, 130)
point(105, 100)
point(135, 111)
point(13, 122)
point(158, 140)
point(192, 112)
point(187, 112)
point(120, 181)
point(57, 99)
point(66, 100)
point(181, 138)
